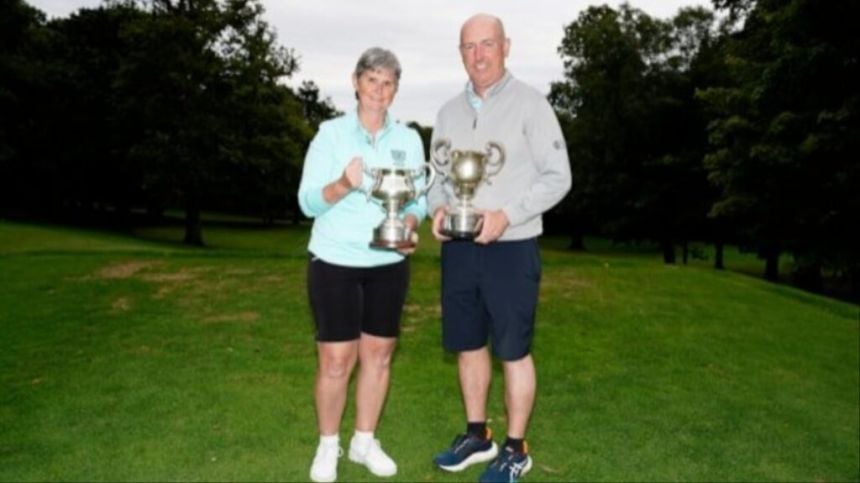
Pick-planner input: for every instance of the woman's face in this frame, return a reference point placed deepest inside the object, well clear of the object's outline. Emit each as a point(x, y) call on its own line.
point(375, 89)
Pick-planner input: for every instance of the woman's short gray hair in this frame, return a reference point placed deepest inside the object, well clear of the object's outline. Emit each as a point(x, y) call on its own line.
point(377, 58)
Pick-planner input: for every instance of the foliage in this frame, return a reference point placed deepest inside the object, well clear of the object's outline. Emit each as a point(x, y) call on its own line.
point(742, 129)
point(210, 110)
point(315, 109)
point(784, 150)
point(22, 39)
point(633, 128)
point(151, 105)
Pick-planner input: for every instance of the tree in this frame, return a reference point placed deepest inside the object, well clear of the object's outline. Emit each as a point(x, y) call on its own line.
point(315, 110)
point(268, 138)
point(87, 142)
point(156, 104)
point(632, 125)
point(202, 88)
point(22, 39)
point(784, 136)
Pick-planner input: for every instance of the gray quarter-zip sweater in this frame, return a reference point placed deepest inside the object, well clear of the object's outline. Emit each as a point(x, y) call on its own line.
point(536, 172)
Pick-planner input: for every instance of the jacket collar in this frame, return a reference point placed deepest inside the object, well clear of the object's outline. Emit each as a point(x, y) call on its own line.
point(361, 131)
point(492, 90)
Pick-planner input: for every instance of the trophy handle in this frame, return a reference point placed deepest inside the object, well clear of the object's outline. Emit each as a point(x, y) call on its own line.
point(445, 157)
point(429, 179)
point(373, 173)
point(498, 162)
point(369, 171)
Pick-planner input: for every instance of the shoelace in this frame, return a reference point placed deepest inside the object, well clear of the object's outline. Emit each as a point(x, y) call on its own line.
point(461, 444)
point(517, 468)
point(375, 446)
point(327, 450)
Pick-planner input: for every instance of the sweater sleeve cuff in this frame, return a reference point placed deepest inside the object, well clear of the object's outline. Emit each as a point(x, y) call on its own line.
point(516, 216)
point(315, 203)
point(418, 211)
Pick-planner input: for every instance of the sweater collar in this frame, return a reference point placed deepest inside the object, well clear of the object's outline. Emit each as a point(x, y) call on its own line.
point(476, 101)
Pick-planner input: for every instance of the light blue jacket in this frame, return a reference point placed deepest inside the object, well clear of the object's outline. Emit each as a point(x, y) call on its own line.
point(342, 231)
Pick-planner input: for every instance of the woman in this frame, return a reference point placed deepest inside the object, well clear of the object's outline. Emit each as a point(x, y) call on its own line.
point(356, 292)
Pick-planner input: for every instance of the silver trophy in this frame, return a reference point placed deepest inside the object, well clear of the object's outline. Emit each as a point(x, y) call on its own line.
point(394, 188)
point(468, 170)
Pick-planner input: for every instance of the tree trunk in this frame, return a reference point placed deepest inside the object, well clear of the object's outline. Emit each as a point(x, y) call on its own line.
point(771, 265)
point(807, 275)
point(668, 251)
point(297, 210)
point(193, 230)
point(575, 229)
point(577, 242)
point(154, 212)
point(718, 256)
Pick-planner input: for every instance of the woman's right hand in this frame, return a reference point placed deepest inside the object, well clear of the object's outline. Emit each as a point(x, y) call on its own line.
point(348, 181)
point(353, 173)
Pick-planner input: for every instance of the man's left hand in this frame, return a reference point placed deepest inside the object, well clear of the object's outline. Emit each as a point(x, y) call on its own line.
point(494, 225)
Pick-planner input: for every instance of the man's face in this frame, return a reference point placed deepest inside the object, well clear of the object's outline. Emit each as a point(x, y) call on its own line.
point(484, 49)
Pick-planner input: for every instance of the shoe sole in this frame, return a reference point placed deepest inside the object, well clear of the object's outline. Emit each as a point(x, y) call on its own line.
point(357, 459)
point(323, 479)
point(528, 466)
point(474, 458)
point(507, 476)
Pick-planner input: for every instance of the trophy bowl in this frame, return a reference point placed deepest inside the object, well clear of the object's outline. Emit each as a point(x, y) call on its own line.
point(468, 169)
point(394, 188)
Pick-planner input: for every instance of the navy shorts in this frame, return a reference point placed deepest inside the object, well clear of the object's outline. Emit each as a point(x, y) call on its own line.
point(490, 293)
point(347, 301)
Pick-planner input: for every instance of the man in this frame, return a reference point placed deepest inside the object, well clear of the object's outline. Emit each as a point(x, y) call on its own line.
point(490, 285)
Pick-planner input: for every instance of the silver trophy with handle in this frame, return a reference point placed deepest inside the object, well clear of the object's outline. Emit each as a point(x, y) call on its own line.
point(467, 170)
point(394, 188)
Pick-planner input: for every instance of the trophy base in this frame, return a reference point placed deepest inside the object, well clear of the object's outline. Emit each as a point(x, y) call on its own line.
point(460, 235)
point(392, 244)
point(464, 224)
point(392, 235)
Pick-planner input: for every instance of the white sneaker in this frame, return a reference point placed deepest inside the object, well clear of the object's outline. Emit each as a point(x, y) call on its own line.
point(324, 467)
point(372, 456)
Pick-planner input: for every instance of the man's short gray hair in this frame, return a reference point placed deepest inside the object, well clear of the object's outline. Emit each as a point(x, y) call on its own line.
point(377, 58)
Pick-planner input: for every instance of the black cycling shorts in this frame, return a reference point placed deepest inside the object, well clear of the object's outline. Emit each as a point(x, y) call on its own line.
point(347, 301)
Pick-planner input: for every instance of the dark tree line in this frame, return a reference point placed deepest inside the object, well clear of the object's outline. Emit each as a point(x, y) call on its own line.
point(150, 105)
point(737, 127)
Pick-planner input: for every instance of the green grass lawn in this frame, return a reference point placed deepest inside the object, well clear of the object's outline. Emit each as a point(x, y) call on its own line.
point(131, 357)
